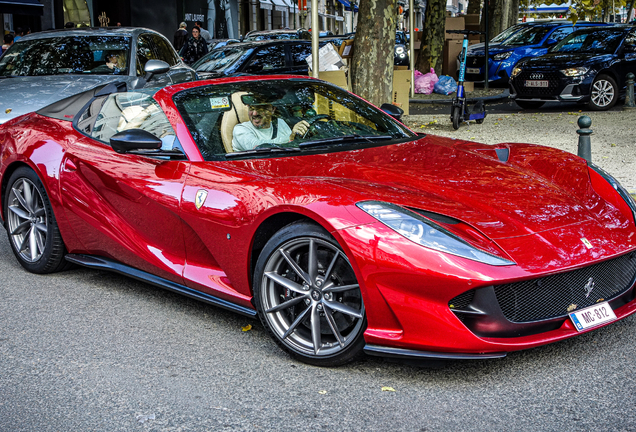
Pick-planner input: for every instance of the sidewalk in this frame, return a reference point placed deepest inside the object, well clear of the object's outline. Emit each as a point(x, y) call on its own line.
point(491, 94)
point(613, 140)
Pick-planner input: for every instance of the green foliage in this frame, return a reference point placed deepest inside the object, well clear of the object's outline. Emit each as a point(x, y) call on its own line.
point(582, 9)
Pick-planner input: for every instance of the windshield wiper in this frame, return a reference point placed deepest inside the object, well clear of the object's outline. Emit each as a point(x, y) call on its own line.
point(343, 139)
point(262, 150)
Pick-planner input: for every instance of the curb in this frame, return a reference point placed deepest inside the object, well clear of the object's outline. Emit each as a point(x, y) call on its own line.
point(504, 95)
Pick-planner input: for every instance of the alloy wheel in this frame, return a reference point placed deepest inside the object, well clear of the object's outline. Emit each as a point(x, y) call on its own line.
point(27, 220)
point(603, 93)
point(311, 298)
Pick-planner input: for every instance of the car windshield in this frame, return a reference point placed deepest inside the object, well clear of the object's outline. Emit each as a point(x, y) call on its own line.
point(95, 55)
point(527, 36)
point(336, 119)
point(222, 59)
point(597, 41)
point(507, 33)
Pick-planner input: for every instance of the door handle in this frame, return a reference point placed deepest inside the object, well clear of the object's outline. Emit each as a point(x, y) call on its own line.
point(69, 165)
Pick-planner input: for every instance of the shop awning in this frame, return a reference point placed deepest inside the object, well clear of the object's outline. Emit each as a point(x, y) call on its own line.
point(280, 6)
point(266, 4)
point(544, 8)
point(347, 5)
point(21, 7)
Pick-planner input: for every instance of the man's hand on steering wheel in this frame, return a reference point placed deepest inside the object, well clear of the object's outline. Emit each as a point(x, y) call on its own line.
point(300, 128)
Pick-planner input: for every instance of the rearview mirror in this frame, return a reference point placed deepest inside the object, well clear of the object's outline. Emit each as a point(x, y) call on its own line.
point(392, 110)
point(154, 67)
point(134, 139)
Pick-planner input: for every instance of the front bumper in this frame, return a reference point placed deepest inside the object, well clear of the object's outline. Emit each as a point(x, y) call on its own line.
point(560, 88)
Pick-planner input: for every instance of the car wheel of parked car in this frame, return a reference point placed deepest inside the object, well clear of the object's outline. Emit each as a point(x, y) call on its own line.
point(30, 224)
point(529, 104)
point(604, 93)
point(308, 297)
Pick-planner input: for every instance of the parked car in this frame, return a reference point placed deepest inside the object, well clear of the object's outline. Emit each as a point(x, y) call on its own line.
point(44, 67)
point(257, 35)
point(529, 40)
point(357, 235)
point(218, 43)
point(400, 53)
point(269, 57)
point(589, 66)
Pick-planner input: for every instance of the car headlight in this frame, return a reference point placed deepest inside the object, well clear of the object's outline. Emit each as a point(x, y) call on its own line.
point(426, 233)
point(575, 71)
point(516, 71)
point(502, 56)
point(618, 187)
point(399, 50)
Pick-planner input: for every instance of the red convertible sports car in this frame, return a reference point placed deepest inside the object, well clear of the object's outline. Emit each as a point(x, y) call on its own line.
point(347, 234)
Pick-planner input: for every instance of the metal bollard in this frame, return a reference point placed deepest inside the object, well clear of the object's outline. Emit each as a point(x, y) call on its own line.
point(629, 98)
point(585, 145)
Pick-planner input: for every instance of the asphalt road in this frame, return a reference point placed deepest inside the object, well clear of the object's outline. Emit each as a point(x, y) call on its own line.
point(86, 350)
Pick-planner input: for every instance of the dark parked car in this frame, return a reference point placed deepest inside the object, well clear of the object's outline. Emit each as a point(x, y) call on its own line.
point(256, 57)
point(257, 35)
point(587, 66)
point(531, 40)
point(45, 67)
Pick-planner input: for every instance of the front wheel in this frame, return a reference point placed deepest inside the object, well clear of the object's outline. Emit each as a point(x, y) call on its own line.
point(33, 232)
point(604, 93)
point(455, 117)
point(308, 297)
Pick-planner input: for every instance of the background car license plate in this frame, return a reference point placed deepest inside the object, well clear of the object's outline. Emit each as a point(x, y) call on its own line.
point(472, 70)
point(592, 316)
point(535, 83)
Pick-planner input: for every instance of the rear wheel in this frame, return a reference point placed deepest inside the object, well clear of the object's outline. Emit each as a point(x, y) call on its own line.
point(33, 233)
point(308, 297)
point(529, 104)
point(455, 117)
point(604, 93)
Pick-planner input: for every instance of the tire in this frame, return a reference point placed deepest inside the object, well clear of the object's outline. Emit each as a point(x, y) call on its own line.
point(479, 121)
point(30, 223)
point(308, 297)
point(603, 94)
point(529, 104)
point(455, 117)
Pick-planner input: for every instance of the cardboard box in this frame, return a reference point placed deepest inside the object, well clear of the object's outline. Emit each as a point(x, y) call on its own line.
point(346, 49)
point(471, 19)
point(469, 86)
point(456, 23)
point(400, 67)
point(402, 89)
point(452, 48)
point(418, 40)
point(337, 77)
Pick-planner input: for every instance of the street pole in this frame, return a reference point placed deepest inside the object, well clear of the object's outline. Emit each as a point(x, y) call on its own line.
point(486, 44)
point(315, 34)
point(412, 44)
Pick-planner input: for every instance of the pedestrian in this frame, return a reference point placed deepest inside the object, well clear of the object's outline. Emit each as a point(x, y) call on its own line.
point(195, 47)
point(18, 34)
point(8, 41)
point(204, 33)
point(180, 37)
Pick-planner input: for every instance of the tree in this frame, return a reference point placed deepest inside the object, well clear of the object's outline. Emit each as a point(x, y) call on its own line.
point(501, 15)
point(432, 50)
point(372, 63)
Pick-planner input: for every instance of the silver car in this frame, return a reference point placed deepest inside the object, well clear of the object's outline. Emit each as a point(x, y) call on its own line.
point(45, 67)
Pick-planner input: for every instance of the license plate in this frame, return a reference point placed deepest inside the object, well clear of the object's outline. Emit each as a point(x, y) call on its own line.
point(535, 83)
point(472, 70)
point(592, 316)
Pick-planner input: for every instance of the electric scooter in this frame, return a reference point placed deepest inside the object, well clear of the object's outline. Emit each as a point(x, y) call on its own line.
point(460, 111)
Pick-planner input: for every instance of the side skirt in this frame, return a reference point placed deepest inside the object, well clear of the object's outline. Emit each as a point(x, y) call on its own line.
point(402, 353)
point(101, 263)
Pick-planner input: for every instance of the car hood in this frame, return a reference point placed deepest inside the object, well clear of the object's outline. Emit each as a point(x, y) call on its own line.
point(21, 95)
point(537, 189)
point(565, 60)
point(479, 49)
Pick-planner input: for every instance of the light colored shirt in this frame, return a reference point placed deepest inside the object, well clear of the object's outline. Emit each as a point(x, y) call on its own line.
point(206, 36)
point(246, 137)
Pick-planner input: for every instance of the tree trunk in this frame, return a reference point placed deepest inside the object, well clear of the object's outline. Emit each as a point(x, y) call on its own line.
point(497, 16)
point(372, 62)
point(513, 16)
point(431, 53)
point(474, 7)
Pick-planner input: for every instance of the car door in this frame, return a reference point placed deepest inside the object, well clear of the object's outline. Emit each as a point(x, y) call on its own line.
point(628, 58)
point(298, 55)
point(154, 47)
point(123, 206)
point(268, 60)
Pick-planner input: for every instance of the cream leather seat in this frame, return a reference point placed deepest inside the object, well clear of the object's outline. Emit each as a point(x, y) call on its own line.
point(237, 114)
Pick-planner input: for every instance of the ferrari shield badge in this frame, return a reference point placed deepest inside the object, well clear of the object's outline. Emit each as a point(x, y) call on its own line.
point(200, 198)
point(587, 243)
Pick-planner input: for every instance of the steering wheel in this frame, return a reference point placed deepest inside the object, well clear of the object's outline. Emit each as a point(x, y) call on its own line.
point(313, 120)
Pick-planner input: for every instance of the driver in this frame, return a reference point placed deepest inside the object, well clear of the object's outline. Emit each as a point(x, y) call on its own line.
point(260, 129)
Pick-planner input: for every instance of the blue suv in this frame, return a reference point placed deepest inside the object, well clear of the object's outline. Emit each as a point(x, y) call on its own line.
point(531, 40)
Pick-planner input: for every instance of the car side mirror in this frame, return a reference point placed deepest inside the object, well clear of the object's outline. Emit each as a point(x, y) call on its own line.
point(154, 67)
point(134, 139)
point(392, 110)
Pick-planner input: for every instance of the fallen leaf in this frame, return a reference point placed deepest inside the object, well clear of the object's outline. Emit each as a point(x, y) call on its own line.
point(391, 389)
point(247, 328)
point(322, 392)
point(613, 145)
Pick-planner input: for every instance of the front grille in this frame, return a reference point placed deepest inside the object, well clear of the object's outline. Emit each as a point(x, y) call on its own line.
point(553, 78)
point(462, 301)
point(475, 61)
point(554, 296)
